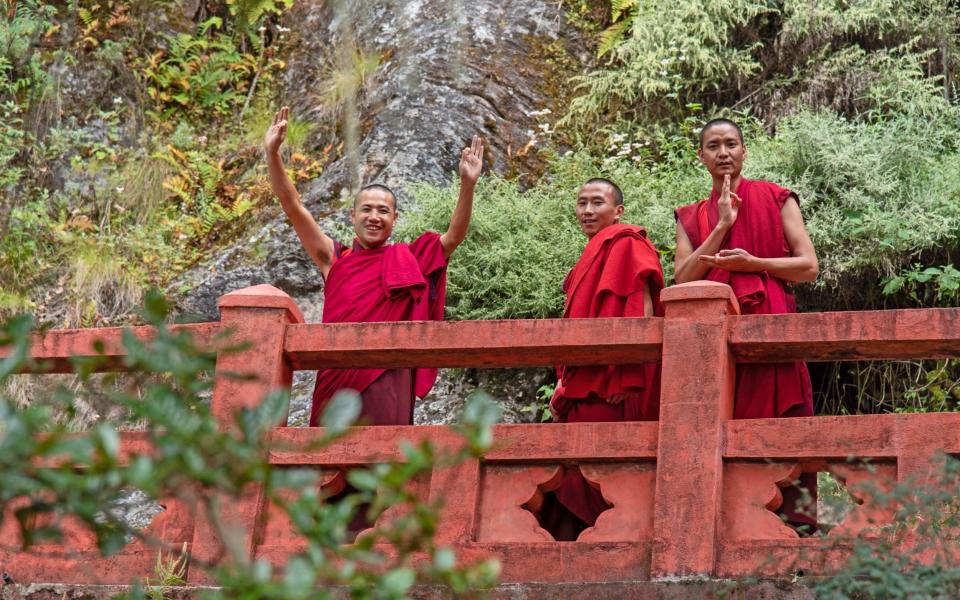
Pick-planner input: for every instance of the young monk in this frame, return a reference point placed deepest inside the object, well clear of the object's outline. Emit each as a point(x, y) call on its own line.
point(618, 275)
point(750, 234)
point(372, 280)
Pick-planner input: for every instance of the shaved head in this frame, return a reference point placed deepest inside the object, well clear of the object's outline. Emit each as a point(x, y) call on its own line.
point(617, 192)
point(377, 187)
point(714, 122)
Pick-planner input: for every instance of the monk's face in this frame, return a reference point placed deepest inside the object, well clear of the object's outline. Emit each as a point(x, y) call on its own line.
point(373, 215)
point(597, 208)
point(722, 152)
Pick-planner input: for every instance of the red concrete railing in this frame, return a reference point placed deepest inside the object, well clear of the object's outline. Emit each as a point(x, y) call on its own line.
point(691, 494)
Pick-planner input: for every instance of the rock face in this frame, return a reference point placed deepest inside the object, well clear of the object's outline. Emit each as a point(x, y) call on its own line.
point(448, 70)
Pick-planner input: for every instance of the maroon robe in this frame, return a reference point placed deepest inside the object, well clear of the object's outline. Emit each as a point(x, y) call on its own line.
point(395, 282)
point(617, 265)
point(763, 390)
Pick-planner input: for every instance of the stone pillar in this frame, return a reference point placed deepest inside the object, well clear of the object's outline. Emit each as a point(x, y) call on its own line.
point(696, 399)
point(258, 317)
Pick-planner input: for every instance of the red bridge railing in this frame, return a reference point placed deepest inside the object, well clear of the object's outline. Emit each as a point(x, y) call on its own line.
point(691, 494)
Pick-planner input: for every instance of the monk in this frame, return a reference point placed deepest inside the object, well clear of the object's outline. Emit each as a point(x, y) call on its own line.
point(750, 235)
point(618, 275)
point(372, 280)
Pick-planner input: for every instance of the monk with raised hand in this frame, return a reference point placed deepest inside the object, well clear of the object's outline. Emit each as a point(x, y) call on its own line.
point(372, 280)
point(750, 234)
point(618, 275)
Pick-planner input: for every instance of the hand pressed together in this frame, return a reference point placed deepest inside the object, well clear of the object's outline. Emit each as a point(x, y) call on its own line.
point(736, 259)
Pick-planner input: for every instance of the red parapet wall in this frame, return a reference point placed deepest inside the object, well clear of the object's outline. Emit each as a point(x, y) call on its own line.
point(691, 494)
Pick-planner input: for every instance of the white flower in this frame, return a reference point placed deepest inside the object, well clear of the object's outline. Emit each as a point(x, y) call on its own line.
point(117, 100)
point(119, 189)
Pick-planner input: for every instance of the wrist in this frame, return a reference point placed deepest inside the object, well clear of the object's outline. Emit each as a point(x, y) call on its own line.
point(723, 226)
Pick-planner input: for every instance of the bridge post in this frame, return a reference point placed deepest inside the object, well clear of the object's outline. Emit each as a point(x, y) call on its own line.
point(257, 316)
point(696, 399)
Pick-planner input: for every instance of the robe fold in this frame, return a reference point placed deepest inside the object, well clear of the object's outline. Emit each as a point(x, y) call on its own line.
point(617, 265)
point(396, 282)
point(772, 389)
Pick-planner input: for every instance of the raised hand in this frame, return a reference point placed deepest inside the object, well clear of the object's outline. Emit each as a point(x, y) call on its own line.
point(277, 132)
point(729, 204)
point(471, 161)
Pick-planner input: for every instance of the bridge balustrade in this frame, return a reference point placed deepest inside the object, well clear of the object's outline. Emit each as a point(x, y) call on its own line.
point(691, 494)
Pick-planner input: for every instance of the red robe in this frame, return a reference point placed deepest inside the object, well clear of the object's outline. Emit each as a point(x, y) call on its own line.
point(617, 265)
point(396, 282)
point(773, 389)
point(763, 390)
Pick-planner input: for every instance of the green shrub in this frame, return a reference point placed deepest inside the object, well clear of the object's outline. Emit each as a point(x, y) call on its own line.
point(876, 197)
point(773, 58)
point(522, 243)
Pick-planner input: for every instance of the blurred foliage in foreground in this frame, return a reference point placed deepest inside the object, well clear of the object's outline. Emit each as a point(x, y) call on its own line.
point(204, 465)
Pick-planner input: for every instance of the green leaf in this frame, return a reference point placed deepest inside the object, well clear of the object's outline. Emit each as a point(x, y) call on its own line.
point(399, 581)
point(342, 411)
point(363, 480)
point(300, 575)
point(892, 286)
point(444, 559)
point(107, 440)
point(111, 539)
point(140, 471)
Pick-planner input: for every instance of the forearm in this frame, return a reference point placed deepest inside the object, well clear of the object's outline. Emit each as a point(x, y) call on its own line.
point(280, 182)
point(690, 268)
point(460, 220)
point(317, 244)
point(789, 268)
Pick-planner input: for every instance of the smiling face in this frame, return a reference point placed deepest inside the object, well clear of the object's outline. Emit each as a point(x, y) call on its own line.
point(373, 214)
point(722, 151)
point(597, 208)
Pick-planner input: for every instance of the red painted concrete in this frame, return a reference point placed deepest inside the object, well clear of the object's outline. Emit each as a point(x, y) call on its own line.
point(54, 349)
point(258, 317)
point(530, 343)
point(696, 398)
point(690, 494)
point(866, 335)
point(751, 491)
point(505, 489)
point(629, 489)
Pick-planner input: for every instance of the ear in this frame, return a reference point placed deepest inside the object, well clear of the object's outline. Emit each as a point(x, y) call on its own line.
point(700, 154)
point(618, 212)
point(353, 215)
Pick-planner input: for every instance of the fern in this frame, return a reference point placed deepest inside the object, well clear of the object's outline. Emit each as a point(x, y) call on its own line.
point(611, 36)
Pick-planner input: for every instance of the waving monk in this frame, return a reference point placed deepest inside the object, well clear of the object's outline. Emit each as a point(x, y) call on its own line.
point(372, 280)
point(750, 235)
